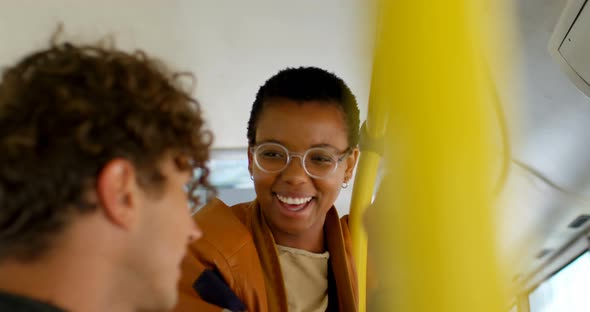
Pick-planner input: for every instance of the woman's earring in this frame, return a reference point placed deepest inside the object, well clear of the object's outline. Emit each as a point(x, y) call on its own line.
point(252, 177)
point(344, 184)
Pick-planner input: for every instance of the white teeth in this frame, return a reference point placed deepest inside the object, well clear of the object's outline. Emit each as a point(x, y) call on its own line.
point(293, 201)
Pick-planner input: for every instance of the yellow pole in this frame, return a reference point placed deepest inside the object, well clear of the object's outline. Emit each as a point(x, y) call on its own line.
point(372, 139)
point(432, 222)
point(361, 199)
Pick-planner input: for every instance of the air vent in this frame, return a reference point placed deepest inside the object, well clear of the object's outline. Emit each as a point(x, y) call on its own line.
point(543, 253)
point(579, 221)
point(569, 45)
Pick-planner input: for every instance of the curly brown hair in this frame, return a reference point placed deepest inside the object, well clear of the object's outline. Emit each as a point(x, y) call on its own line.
point(65, 112)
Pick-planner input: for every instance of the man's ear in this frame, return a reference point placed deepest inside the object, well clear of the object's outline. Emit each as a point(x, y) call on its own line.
point(351, 161)
point(117, 192)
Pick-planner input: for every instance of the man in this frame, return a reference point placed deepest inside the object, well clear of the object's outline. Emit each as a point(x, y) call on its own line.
point(98, 149)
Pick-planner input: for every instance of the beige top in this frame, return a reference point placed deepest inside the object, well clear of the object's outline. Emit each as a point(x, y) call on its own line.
point(306, 279)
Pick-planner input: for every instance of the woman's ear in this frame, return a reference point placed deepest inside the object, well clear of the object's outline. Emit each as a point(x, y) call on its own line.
point(351, 162)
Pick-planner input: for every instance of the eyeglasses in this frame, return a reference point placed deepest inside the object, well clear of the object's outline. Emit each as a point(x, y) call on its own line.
point(318, 162)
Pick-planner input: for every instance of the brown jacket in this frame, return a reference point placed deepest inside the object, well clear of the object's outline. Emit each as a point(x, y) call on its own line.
point(238, 246)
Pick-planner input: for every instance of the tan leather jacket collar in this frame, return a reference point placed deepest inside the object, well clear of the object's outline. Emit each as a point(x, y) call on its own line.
point(340, 260)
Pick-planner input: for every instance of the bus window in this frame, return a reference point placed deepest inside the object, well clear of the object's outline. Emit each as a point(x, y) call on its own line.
point(566, 290)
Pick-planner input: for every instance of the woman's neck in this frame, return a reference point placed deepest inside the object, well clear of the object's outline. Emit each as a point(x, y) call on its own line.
point(312, 240)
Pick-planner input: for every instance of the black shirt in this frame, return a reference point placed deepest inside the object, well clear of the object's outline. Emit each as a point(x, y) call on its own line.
point(15, 303)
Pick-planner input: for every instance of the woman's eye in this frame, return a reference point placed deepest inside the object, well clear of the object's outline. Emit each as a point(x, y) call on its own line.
point(272, 154)
point(321, 158)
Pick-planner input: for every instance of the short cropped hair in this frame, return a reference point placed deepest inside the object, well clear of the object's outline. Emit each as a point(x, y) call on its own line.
point(307, 84)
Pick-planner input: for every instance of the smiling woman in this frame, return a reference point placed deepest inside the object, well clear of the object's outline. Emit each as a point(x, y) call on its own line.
point(288, 249)
point(294, 199)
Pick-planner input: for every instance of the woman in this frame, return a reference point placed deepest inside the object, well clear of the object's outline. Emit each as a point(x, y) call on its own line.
point(287, 250)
